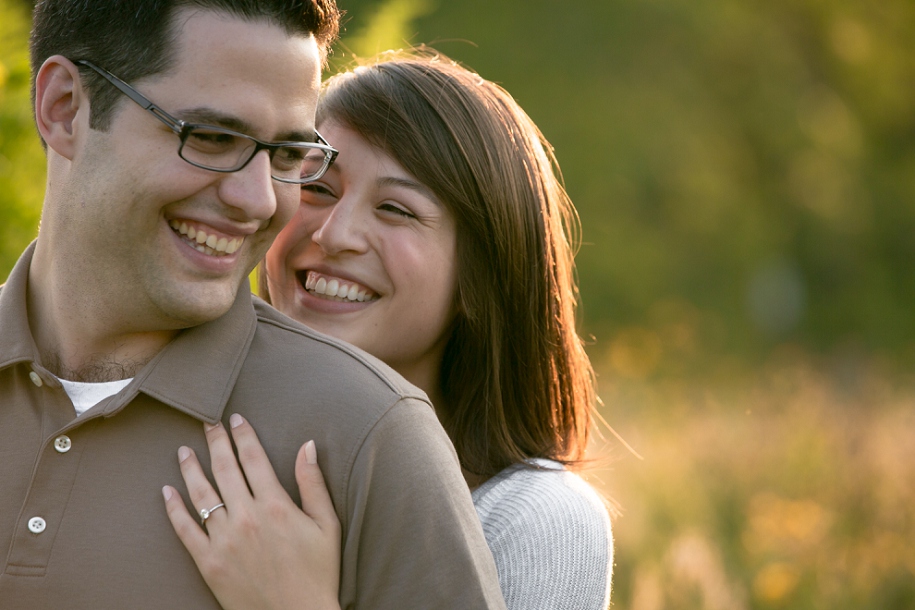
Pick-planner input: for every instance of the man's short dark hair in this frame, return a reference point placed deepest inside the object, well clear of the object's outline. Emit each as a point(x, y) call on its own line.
point(137, 39)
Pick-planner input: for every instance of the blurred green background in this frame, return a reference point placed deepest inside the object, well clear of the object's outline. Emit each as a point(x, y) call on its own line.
point(744, 173)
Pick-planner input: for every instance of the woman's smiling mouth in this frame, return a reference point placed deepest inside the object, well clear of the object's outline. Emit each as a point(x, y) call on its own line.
point(334, 288)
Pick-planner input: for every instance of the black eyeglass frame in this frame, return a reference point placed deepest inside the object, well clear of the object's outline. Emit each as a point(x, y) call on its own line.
point(183, 129)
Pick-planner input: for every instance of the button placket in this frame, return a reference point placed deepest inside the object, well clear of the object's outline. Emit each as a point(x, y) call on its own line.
point(45, 505)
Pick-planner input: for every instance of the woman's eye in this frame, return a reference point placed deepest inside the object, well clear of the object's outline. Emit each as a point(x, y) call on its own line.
point(317, 189)
point(387, 207)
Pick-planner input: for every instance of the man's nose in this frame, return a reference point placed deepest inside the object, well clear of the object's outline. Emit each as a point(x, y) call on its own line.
point(252, 189)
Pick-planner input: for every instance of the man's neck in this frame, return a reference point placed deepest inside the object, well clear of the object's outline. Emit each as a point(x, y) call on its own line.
point(81, 338)
point(93, 371)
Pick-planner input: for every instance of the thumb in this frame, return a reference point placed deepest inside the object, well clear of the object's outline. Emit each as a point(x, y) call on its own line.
point(316, 502)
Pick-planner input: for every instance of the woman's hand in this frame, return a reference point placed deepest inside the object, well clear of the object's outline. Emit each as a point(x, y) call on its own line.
point(260, 550)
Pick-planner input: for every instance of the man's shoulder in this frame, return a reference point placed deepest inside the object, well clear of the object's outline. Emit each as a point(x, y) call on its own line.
point(301, 354)
point(297, 384)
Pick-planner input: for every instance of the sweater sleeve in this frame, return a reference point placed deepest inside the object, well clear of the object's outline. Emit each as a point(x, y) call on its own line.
point(550, 536)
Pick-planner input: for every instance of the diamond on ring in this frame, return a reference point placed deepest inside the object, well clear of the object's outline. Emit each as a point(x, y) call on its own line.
point(206, 512)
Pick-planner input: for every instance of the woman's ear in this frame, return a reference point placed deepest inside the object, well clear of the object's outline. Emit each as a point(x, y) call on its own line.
point(59, 100)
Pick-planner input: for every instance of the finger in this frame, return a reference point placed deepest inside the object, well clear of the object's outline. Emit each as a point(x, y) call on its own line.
point(198, 486)
point(316, 501)
point(189, 532)
point(228, 475)
point(258, 470)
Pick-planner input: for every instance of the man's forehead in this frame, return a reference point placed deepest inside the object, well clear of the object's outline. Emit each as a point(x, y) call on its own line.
point(196, 30)
point(243, 74)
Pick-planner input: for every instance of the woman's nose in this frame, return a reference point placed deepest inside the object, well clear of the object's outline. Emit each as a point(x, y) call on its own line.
point(343, 230)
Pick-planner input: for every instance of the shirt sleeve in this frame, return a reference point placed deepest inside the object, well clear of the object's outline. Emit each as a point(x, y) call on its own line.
point(552, 544)
point(413, 533)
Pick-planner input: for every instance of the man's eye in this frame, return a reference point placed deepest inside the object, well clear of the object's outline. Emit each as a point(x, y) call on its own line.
point(289, 156)
point(211, 140)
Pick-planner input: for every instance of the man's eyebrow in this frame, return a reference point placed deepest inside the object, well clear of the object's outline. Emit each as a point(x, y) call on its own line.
point(413, 185)
point(210, 116)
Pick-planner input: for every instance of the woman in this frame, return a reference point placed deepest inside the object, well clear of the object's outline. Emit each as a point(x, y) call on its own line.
point(438, 242)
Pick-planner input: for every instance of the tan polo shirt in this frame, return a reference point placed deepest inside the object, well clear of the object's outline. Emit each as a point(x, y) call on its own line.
point(82, 520)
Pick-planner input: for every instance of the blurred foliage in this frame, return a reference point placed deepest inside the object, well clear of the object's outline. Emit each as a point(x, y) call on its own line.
point(380, 27)
point(22, 161)
point(743, 170)
point(744, 173)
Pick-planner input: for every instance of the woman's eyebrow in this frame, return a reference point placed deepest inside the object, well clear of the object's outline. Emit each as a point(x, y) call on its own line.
point(413, 185)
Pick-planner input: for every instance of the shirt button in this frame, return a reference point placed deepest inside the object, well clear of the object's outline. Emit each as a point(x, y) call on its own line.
point(37, 525)
point(36, 379)
point(62, 443)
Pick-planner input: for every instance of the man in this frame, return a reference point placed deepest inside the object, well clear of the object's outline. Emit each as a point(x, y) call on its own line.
point(165, 186)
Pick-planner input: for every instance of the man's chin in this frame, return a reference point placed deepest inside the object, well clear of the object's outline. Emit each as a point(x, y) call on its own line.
point(199, 305)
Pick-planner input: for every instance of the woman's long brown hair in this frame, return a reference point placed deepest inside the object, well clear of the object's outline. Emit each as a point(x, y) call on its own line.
point(515, 376)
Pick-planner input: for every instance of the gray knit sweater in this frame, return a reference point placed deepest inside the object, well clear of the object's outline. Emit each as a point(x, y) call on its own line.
point(550, 535)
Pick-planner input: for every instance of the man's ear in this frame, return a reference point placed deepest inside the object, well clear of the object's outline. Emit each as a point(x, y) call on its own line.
point(59, 100)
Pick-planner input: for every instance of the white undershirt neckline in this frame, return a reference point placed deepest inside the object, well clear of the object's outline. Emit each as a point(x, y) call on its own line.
point(84, 395)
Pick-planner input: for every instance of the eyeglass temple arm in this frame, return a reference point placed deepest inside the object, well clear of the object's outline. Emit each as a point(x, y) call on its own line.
point(333, 151)
point(175, 124)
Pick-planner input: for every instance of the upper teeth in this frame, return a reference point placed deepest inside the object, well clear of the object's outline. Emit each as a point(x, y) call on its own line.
point(205, 242)
point(335, 287)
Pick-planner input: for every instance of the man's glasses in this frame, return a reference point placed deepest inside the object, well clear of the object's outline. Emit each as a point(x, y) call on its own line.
point(223, 150)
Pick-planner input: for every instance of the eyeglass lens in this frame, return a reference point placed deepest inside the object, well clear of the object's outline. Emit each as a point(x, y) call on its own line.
point(224, 150)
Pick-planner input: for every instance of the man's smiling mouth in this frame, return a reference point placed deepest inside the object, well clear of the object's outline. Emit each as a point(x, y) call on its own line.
point(207, 243)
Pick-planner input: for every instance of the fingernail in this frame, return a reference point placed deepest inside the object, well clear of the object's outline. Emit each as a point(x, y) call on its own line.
point(183, 453)
point(167, 492)
point(236, 420)
point(311, 454)
point(208, 426)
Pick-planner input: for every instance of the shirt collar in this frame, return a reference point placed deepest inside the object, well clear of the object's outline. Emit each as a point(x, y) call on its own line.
point(16, 343)
point(195, 373)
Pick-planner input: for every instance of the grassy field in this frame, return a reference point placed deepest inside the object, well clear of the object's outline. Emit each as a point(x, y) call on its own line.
point(791, 486)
